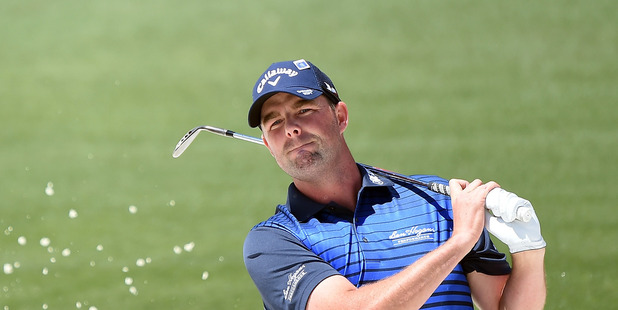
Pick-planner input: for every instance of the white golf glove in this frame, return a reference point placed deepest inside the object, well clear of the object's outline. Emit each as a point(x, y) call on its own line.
point(513, 221)
point(508, 206)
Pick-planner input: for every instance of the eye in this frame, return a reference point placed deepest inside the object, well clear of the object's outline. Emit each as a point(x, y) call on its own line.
point(304, 111)
point(275, 124)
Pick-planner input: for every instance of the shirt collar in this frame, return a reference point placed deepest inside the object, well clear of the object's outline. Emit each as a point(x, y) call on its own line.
point(302, 207)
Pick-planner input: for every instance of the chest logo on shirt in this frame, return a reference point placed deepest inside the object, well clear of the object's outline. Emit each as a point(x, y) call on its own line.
point(374, 178)
point(412, 234)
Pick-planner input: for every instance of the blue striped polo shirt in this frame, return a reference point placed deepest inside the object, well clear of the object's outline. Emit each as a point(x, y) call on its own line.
point(394, 224)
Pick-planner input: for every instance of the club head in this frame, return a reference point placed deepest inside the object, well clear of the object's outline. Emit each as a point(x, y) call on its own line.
point(186, 140)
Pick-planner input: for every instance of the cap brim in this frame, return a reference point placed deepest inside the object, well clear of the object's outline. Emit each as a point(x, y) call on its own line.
point(255, 112)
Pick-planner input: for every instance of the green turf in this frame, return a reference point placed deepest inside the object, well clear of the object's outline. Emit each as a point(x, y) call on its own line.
point(95, 94)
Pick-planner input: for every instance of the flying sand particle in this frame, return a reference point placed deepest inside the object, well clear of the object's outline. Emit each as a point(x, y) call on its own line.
point(45, 242)
point(133, 290)
point(49, 190)
point(8, 269)
point(189, 246)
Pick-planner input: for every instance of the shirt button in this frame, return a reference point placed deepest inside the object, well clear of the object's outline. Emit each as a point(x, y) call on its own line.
point(365, 240)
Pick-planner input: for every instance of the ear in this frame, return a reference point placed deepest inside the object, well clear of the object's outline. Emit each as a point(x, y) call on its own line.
point(341, 111)
point(267, 146)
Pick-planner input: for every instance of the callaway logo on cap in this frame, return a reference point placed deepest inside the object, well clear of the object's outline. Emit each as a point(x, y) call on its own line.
point(298, 77)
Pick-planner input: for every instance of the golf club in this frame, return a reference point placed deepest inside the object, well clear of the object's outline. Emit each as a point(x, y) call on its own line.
point(522, 212)
point(188, 138)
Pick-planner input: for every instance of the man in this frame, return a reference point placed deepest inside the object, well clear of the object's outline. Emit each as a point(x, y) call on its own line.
point(350, 239)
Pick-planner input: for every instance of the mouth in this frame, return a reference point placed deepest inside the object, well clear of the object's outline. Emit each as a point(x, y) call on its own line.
point(299, 148)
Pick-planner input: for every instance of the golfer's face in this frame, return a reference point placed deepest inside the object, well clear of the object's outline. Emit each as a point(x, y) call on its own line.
point(299, 133)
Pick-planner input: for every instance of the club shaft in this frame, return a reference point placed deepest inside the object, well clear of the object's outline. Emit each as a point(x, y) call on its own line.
point(233, 134)
point(247, 138)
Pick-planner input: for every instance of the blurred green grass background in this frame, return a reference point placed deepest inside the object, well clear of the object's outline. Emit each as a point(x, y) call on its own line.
point(94, 96)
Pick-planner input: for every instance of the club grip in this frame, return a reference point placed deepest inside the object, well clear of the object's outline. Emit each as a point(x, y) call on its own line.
point(439, 188)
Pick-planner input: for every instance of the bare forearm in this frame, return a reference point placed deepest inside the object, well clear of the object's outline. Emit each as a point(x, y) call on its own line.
point(525, 288)
point(408, 289)
point(414, 285)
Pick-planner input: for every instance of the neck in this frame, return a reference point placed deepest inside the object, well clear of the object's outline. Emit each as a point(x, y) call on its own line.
point(339, 184)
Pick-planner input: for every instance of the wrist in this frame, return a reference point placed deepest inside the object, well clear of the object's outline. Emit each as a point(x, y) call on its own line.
point(526, 245)
point(462, 242)
point(529, 256)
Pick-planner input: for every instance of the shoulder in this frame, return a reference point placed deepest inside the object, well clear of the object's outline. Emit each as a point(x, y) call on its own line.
point(282, 224)
point(265, 238)
point(283, 269)
point(277, 234)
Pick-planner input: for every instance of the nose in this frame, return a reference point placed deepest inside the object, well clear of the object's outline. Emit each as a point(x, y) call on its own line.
point(292, 128)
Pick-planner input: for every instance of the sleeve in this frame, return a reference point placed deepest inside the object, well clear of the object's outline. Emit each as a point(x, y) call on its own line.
point(283, 269)
point(485, 258)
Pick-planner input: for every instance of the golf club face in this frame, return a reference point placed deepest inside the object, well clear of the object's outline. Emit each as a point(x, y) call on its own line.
point(186, 140)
